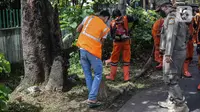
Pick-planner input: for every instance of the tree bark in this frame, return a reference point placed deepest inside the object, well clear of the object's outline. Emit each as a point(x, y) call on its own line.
point(103, 92)
point(122, 6)
point(23, 2)
point(82, 3)
point(41, 40)
point(144, 4)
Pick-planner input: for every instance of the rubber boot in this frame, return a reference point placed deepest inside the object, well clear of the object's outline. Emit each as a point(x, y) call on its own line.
point(159, 67)
point(185, 67)
point(126, 73)
point(187, 74)
point(113, 72)
point(198, 87)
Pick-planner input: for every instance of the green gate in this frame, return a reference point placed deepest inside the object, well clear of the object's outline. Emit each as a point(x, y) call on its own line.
point(10, 18)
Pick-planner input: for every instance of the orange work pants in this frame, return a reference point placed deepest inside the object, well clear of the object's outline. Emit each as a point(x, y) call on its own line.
point(158, 58)
point(123, 46)
point(189, 55)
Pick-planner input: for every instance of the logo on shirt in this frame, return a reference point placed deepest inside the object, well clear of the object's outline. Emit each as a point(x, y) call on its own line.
point(184, 13)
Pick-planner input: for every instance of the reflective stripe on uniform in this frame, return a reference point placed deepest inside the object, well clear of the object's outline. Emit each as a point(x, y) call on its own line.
point(113, 64)
point(126, 63)
point(88, 35)
point(102, 33)
point(105, 29)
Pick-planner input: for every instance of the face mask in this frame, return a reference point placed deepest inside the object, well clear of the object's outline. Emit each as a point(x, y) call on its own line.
point(162, 13)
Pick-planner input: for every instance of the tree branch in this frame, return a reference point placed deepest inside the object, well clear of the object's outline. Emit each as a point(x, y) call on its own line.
point(82, 3)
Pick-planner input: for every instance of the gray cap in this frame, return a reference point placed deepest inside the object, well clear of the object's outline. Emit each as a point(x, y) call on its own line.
point(159, 3)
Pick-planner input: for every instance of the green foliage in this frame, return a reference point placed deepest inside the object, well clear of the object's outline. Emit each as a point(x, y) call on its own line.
point(4, 65)
point(74, 62)
point(22, 107)
point(102, 2)
point(71, 16)
point(4, 91)
point(140, 32)
point(7, 3)
point(142, 29)
point(133, 1)
point(142, 40)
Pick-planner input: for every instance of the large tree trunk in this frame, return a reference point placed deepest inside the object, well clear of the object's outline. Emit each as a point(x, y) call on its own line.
point(41, 40)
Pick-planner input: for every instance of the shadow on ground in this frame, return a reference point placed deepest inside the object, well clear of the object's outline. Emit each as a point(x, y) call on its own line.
point(146, 100)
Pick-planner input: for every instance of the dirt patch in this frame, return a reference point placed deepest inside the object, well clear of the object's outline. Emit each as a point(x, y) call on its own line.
point(118, 92)
point(73, 101)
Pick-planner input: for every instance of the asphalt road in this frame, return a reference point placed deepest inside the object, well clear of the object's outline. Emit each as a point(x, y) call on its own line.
point(146, 100)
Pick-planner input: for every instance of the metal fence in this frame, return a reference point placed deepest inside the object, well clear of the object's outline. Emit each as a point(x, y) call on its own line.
point(10, 34)
point(10, 18)
point(10, 44)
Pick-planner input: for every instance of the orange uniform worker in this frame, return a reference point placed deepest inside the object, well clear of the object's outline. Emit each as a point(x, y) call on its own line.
point(121, 43)
point(189, 52)
point(197, 36)
point(93, 32)
point(156, 29)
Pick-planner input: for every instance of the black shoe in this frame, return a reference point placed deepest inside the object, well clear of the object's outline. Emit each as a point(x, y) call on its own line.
point(94, 105)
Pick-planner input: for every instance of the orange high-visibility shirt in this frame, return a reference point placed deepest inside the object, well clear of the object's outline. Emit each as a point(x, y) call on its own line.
point(90, 38)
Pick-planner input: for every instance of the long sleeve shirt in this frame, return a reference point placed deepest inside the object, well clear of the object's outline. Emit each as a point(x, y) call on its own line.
point(174, 35)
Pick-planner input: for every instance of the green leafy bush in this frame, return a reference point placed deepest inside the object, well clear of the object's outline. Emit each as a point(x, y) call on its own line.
point(75, 66)
point(142, 29)
point(71, 16)
point(4, 65)
point(142, 40)
point(23, 107)
point(4, 91)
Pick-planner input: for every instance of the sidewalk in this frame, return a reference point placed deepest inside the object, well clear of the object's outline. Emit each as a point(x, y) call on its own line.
point(146, 101)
